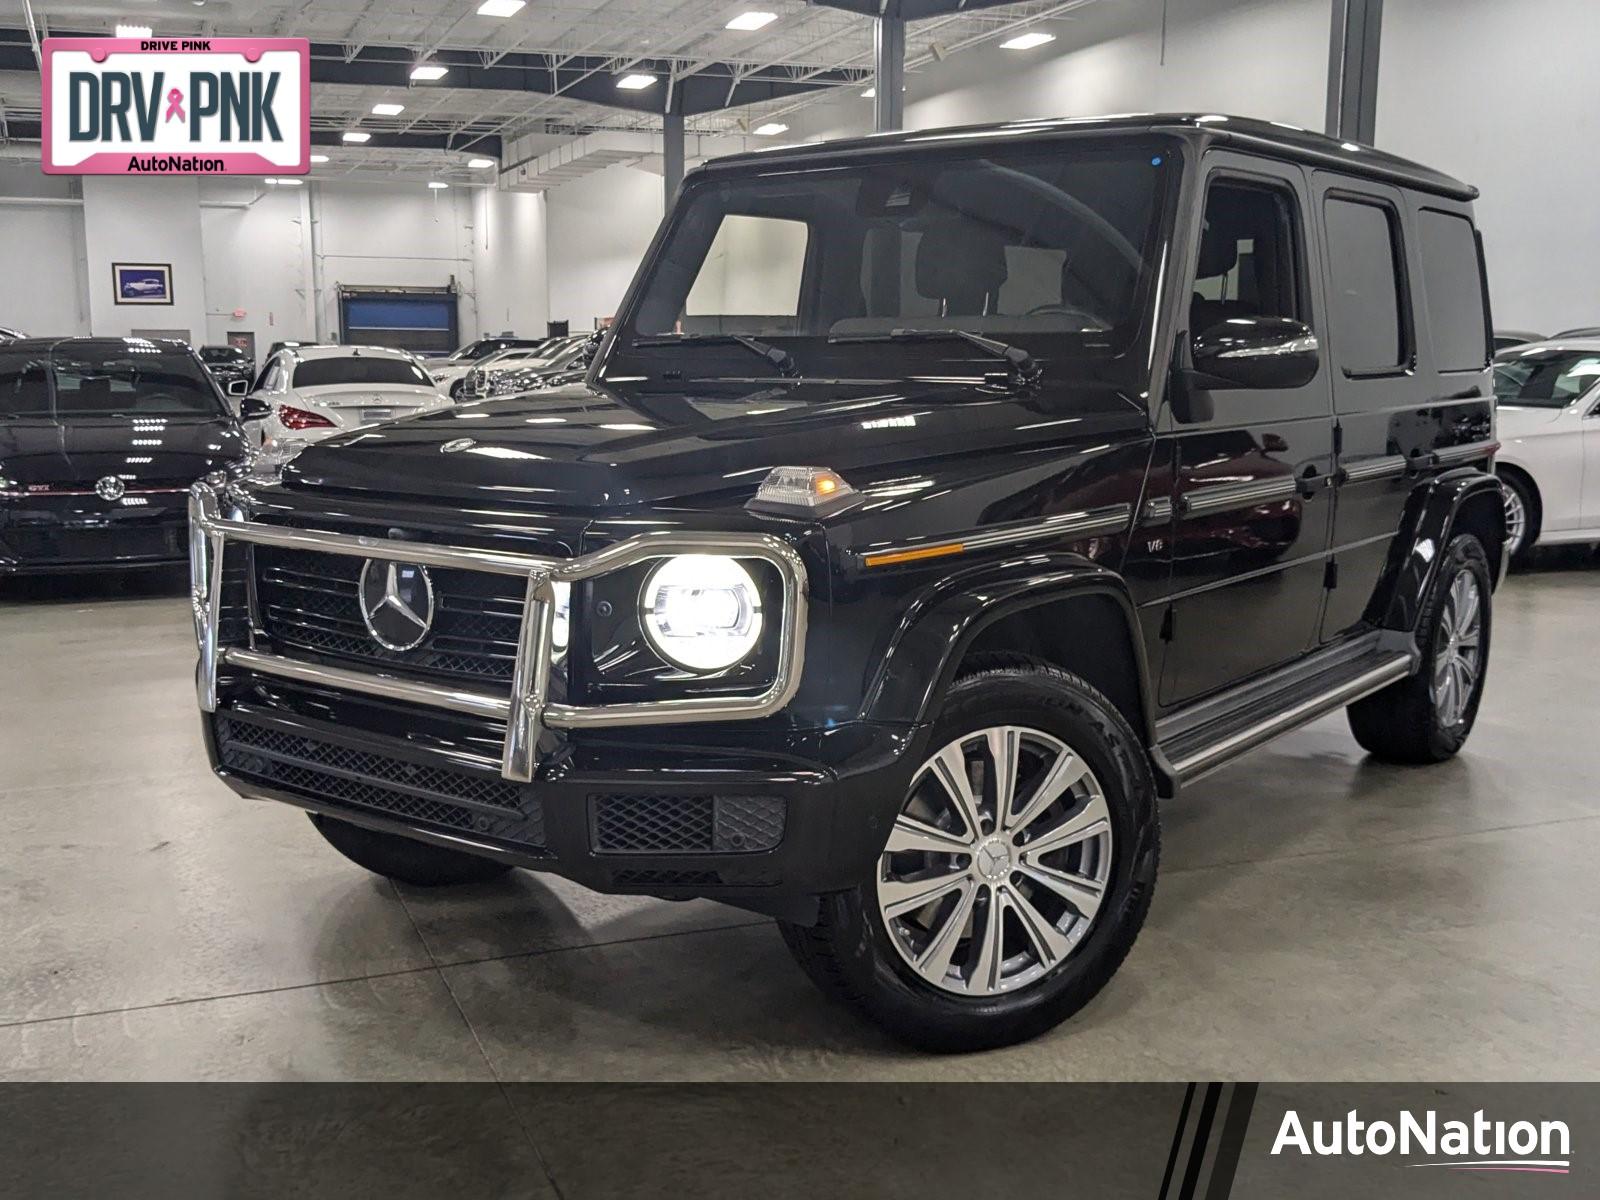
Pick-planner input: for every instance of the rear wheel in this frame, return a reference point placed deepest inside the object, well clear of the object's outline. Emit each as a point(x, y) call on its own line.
point(405, 859)
point(1522, 516)
point(1016, 876)
point(1426, 718)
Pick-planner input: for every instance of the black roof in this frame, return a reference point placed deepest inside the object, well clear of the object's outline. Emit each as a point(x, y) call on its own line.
point(1247, 133)
point(172, 345)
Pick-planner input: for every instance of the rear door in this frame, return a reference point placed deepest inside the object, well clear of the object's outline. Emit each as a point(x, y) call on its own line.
point(1250, 533)
point(1408, 343)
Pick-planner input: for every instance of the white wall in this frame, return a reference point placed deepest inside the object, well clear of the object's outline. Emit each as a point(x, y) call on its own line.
point(41, 247)
point(1255, 58)
point(508, 247)
point(1505, 97)
point(136, 220)
point(598, 229)
point(236, 244)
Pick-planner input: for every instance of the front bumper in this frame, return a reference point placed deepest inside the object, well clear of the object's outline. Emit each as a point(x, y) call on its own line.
point(62, 533)
point(767, 824)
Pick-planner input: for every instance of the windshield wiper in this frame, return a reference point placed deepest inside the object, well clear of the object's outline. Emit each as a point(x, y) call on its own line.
point(780, 359)
point(1022, 365)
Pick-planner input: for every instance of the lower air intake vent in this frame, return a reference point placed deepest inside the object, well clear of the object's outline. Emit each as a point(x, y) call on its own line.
point(341, 776)
point(667, 824)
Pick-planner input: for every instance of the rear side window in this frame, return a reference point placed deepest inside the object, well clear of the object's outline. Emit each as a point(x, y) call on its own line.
point(1452, 287)
point(1366, 311)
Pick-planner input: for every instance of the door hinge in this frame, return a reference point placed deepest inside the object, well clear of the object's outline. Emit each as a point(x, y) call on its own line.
point(1166, 625)
point(1338, 438)
point(1330, 575)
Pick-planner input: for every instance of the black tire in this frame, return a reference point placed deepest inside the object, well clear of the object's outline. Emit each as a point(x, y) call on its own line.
point(848, 953)
point(405, 859)
point(1514, 481)
point(1402, 724)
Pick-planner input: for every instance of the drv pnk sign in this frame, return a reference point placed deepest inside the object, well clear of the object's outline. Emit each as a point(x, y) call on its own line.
point(177, 106)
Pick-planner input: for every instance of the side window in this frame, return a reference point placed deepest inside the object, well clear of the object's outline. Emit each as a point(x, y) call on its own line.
point(753, 268)
point(1365, 310)
point(1250, 260)
point(1453, 289)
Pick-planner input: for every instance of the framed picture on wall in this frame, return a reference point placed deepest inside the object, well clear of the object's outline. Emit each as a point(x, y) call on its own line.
point(142, 283)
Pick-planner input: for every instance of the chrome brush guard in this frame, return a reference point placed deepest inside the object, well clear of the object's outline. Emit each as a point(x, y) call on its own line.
point(526, 708)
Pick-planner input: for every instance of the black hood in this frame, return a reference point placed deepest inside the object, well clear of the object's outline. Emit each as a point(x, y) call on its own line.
point(146, 451)
point(597, 448)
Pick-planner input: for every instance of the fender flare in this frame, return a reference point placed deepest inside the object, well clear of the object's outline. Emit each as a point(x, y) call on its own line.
point(942, 622)
point(1430, 520)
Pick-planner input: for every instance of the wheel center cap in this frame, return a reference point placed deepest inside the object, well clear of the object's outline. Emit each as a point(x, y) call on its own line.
point(993, 859)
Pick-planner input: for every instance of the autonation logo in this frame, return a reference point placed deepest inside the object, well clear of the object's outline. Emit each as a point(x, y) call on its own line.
point(1479, 1145)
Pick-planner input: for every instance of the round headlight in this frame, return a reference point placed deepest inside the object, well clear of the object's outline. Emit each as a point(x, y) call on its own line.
point(701, 612)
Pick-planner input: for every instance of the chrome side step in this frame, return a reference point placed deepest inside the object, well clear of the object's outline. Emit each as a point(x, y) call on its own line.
point(1195, 750)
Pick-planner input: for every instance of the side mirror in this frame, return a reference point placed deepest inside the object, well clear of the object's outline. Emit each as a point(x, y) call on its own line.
point(238, 387)
point(1254, 352)
point(252, 408)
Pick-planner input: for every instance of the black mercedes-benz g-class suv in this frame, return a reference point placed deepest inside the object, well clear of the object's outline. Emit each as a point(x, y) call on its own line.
point(937, 502)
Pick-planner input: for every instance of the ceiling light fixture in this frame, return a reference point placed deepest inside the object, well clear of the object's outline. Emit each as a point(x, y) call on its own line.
point(319, 158)
point(133, 31)
point(388, 110)
point(1027, 41)
point(752, 20)
point(869, 93)
point(478, 164)
point(427, 72)
point(770, 129)
point(501, 8)
point(356, 135)
point(636, 83)
point(286, 182)
point(436, 185)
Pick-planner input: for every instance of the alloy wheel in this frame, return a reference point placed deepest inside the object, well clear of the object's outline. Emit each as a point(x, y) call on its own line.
point(1457, 657)
point(998, 863)
point(1516, 521)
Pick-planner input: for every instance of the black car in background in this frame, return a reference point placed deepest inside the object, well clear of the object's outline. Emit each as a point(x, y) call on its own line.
point(100, 439)
point(229, 364)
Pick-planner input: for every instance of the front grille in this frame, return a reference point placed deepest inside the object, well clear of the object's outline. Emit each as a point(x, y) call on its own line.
point(309, 601)
point(330, 772)
point(634, 823)
point(644, 879)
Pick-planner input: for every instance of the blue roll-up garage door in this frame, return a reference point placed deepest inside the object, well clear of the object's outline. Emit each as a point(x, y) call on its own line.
point(422, 320)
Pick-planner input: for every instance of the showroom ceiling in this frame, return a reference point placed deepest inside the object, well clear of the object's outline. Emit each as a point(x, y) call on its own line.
point(571, 49)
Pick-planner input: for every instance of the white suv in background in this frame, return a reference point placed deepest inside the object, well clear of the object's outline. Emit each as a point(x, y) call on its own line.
point(1548, 401)
point(307, 393)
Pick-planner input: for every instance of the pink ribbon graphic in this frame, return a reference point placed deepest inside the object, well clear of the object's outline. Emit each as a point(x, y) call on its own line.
point(175, 105)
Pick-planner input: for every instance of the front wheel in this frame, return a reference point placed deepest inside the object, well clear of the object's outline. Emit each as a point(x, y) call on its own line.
point(1016, 876)
point(1426, 717)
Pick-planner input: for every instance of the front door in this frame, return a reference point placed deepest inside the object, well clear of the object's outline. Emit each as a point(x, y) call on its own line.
point(1250, 498)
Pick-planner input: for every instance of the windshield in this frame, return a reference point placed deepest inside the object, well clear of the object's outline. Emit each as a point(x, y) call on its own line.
point(130, 379)
point(217, 354)
point(327, 372)
point(1053, 248)
point(1545, 378)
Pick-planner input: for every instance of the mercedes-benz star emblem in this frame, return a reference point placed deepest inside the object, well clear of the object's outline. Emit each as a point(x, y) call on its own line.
point(455, 445)
point(396, 603)
point(110, 488)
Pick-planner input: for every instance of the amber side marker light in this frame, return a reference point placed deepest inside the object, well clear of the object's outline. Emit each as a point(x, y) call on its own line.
point(905, 556)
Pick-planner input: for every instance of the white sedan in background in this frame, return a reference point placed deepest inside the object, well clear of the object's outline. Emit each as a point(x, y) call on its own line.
point(307, 393)
point(1548, 400)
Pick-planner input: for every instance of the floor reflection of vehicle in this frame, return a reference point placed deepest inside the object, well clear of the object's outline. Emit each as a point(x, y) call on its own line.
point(935, 504)
point(1548, 397)
point(313, 392)
point(100, 440)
